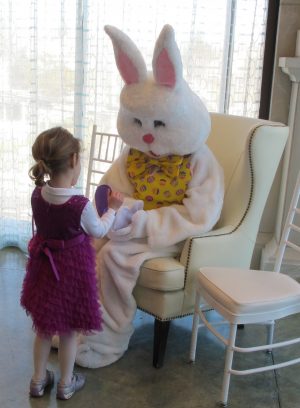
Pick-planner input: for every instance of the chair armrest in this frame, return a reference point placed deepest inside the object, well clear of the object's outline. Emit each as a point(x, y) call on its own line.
point(188, 245)
point(224, 246)
point(215, 232)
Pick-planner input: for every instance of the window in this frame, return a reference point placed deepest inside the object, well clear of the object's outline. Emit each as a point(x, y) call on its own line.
point(58, 68)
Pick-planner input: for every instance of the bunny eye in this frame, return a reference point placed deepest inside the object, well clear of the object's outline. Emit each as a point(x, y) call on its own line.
point(137, 121)
point(158, 123)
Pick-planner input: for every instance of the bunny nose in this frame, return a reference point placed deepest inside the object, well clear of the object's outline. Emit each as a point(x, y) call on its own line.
point(148, 138)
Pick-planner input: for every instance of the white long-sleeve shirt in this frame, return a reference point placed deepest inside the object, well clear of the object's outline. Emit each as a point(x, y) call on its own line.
point(90, 221)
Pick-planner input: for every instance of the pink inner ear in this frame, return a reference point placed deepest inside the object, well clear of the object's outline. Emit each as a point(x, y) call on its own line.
point(127, 69)
point(165, 72)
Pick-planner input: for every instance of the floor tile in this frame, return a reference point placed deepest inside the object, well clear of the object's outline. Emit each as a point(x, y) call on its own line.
point(132, 382)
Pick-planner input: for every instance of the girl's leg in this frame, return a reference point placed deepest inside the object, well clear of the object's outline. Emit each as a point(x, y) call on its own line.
point(41, 350)
point(66, 355)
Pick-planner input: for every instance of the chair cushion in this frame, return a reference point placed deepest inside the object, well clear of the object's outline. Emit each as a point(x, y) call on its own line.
point(243, 291)
point(165, 274)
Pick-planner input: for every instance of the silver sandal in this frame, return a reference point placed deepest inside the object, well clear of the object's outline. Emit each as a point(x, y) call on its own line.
point(65, 392)
point(37, 388)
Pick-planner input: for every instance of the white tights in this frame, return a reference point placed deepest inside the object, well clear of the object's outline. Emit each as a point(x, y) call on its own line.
point(66, 355)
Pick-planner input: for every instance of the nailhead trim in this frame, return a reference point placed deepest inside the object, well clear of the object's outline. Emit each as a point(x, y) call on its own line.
point(247, 208)
point(253, 131)
point(168, 318)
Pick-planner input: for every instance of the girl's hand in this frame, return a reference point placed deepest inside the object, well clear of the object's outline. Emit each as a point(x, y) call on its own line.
point(115, 200)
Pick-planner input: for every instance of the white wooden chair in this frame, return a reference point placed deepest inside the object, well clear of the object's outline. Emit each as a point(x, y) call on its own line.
point(105, 148)
point(243, 296)
point(249, 151)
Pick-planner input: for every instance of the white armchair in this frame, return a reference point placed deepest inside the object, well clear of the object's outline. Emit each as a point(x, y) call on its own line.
point(249, 150)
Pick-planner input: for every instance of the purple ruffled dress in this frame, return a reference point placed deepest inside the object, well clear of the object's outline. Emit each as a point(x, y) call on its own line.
point(60, 289)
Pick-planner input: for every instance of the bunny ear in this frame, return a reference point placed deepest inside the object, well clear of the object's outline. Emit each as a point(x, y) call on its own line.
point(129, 60)
point(166, 63)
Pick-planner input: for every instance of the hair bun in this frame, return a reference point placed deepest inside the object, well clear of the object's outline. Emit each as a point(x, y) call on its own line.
point(41, 163)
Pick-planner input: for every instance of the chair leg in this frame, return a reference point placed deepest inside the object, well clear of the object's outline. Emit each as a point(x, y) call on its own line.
point(228, 365)
point(161, 330)
point(195, 328)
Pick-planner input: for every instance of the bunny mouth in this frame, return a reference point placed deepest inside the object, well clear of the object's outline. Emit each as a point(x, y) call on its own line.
point(153, 154)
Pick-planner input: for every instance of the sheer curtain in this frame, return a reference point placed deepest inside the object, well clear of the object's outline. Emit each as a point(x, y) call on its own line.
point(58, 68)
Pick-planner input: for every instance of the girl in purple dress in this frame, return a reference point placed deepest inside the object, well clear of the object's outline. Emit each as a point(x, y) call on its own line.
point(60, 289)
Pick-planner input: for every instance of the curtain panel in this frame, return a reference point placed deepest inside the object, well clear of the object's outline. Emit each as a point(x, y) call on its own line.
point(58, 69)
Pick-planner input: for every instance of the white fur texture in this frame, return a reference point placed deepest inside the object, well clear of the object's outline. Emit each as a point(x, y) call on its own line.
point(166, 41)
point(121, 42)
point(178, 123)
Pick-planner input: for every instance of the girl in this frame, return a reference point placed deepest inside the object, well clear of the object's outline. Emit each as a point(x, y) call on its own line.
point(59, 290)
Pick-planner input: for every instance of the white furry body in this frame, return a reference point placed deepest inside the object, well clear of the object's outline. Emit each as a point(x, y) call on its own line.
point(159, 115)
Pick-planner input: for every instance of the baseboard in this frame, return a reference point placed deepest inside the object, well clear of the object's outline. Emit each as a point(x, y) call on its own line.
point(290, 264)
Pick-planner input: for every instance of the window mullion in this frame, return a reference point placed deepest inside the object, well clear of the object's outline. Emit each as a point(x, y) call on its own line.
point(227, 57)
point(80, 64)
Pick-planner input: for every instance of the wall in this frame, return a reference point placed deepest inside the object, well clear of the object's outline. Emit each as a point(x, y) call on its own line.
point(288, 24)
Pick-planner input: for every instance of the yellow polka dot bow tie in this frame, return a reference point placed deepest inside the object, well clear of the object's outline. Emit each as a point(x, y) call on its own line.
point(139, 163)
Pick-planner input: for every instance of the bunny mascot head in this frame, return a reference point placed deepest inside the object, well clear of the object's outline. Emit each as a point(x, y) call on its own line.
point(162, 120)
point(159, 113)
point(172, 183)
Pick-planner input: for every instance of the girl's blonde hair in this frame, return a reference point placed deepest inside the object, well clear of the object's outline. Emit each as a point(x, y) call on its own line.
point(52, 151)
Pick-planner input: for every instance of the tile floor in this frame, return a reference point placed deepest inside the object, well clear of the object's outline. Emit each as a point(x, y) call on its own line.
point(132, 382)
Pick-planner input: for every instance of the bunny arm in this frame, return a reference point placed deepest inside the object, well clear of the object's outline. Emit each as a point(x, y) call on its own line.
point(168, 225)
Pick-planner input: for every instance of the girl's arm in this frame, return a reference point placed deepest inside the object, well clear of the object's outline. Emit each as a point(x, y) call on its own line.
point(92, 224)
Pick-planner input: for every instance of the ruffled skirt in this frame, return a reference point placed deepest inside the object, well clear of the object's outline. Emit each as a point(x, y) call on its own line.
point(68, 304)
